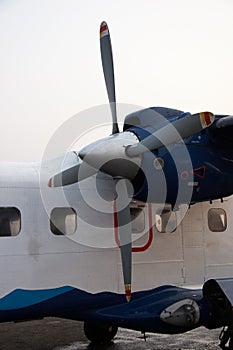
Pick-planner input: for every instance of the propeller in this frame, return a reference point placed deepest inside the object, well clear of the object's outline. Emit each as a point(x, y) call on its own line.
point(124, 232)
point(107, 63)
point(72, 175)
point(120, 155)
point(172, 132)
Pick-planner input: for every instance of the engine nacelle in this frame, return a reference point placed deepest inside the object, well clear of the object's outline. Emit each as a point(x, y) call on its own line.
point(184, 313)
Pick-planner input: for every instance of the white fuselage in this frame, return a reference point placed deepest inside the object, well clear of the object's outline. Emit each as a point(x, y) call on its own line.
point(88, 257)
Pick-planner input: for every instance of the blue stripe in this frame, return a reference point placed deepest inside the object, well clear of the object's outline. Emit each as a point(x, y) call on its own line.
point(21, 298)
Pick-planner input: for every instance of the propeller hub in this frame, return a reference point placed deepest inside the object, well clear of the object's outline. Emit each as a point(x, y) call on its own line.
point(109, 155)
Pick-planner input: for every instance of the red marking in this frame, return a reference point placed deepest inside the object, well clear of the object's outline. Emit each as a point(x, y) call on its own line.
point(200, 172)
point(50, 183)
point(207, 118)
point(150, 238)
point(128, 293)
point(116, 225)
point(103, 27)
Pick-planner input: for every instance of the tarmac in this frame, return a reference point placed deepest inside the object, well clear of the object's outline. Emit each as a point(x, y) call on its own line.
point(61, 334)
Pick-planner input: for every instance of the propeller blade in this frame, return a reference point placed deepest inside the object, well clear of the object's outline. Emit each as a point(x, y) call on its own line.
point(124, 231)
point(167, 135)
point(107, 63)
point(72, 175)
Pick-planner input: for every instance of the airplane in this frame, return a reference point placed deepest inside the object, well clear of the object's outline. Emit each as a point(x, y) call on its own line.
point(152, 203)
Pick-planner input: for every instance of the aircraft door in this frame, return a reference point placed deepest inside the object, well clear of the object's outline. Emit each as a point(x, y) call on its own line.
point(192, 230)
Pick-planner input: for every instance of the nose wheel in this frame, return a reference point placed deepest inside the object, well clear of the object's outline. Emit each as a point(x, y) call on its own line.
point(99, 333)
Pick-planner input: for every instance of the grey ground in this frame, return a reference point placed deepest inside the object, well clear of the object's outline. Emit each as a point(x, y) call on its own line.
point(59, 334)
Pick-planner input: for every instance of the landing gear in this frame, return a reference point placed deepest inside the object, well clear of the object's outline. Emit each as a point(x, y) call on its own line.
point(226, 337)
point(99, 333)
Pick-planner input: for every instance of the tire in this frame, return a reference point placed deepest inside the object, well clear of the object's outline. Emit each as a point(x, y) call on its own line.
point(99, 333)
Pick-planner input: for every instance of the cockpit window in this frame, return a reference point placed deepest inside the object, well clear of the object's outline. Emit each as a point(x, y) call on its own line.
point(63, 221)
point(217, 220)
point(10, 221)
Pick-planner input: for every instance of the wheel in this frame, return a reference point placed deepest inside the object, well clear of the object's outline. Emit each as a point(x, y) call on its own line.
point(99, 333)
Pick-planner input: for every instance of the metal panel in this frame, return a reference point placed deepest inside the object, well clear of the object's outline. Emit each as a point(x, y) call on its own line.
point(219, 245)
point(193, 250)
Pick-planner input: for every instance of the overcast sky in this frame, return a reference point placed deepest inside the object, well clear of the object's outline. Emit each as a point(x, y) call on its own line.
point(175, 53)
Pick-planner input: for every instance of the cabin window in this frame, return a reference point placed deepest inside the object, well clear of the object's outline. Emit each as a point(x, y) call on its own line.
point(63, 221)
point(137, 220)
point(10, 221)
point(217, 220)
point(166, 222)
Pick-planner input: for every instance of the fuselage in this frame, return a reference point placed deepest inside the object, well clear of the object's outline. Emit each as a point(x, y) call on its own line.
point(86, 256)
